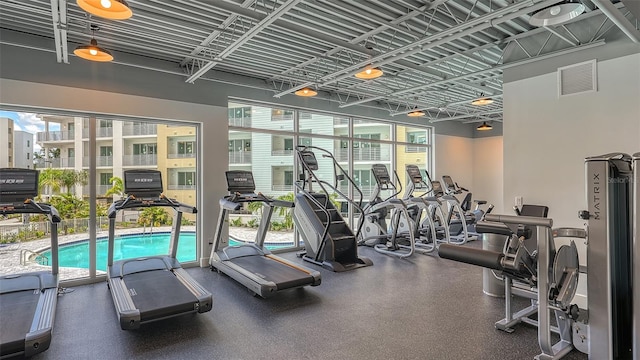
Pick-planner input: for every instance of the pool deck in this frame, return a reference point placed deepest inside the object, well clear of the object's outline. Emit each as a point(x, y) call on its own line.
point(10, 253)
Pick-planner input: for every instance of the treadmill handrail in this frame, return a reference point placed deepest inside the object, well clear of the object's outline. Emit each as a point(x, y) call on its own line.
point(163, 201)
point(29, 206)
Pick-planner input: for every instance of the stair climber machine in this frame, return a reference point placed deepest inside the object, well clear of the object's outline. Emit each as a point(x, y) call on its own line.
point(27, 300)
point(328, 240)
point(151, 288)
point(609, 327)
point(252, 264)
point(373, 229)
point(427, 217)
point(461, 217)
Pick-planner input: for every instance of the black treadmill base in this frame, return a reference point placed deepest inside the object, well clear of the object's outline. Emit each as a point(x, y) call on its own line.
point(340, 267)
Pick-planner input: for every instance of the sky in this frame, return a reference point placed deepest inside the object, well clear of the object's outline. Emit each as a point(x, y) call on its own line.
point(30, 123)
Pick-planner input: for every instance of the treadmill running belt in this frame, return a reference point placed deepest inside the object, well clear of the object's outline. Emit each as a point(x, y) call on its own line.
point(285, 277)
point(18, 309)
point(158, 294)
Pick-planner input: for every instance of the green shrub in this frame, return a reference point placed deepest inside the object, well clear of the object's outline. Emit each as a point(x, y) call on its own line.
point(237, 222)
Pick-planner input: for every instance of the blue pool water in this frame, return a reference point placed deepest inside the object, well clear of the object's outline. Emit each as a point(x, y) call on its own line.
point(76, 254)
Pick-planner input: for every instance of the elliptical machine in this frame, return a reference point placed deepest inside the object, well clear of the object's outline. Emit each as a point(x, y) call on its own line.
point(372, 222)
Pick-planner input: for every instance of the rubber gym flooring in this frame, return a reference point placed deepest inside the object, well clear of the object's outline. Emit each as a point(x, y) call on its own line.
point(420, 308)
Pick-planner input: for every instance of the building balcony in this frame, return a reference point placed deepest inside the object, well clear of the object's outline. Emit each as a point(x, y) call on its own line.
point(281, 152)
point(140, 160)
point(100, 190)
point(180, 156)
point(129, 129)
point(181, 187)
point(281, 187)
point(281, 117)
point(240, 157)
point(55, 136)
point(101, 132)
point(415, 149)
point(361, 154)
point(240, 122)
point(55, 163)
point(100, 161)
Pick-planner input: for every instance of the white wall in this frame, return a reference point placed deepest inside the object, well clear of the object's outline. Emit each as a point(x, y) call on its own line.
point(546, 139)
point(488, 172)
point(475, 164)
point(213, 119)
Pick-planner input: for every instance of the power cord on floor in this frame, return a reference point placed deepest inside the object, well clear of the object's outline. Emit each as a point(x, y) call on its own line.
point(62, 291)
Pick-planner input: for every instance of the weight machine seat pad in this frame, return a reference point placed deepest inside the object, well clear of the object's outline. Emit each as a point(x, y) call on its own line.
point(484, 258)
point(483, 227)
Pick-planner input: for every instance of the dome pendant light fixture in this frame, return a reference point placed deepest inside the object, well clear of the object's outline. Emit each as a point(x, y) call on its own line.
point(415, 112)
point(556, 14)
point(484, 127)
point(93, 52)
point(482, 101)
point(307, 92)
point(369, 73)
point(108, 9)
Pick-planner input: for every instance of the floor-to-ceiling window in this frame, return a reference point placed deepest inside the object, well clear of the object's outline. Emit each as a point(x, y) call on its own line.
point(63, 149)
point(356, 143)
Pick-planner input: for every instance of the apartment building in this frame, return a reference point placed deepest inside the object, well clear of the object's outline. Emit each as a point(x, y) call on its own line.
point(6, 142)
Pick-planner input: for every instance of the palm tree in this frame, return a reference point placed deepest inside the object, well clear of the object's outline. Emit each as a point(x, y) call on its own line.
point(117, 187)
point(51, 179)
point(71, 178)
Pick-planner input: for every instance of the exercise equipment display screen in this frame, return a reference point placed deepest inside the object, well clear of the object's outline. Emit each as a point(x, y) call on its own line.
point(414, 173)
point(17, 185)
point(240, 181)
point(309, 158)
point(448, 181)
point(381, 173)
point(143, 183)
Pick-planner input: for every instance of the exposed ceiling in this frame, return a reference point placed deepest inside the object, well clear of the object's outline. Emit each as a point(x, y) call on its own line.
point(436, 55)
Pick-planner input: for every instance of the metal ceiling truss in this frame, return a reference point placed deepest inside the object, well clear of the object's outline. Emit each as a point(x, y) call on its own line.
point(437, 56)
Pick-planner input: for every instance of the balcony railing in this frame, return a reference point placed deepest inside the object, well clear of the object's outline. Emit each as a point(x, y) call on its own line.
point(55, 135)
point(281, 152)
point(359, 154)
point(241, 122)
point(101, 132)
point(281, 187)
point(180, 156)
point(55, 163)
point(282, 117)
point(139, 129)
point(182, 187)
point(415, 149)
point(240, 157)
point(100, 161)
point(140, 160)
point(100, 189)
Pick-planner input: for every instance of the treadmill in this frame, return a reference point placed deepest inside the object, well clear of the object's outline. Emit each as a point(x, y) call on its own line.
point(252, 264)
point(27, 300)
point(151, 288)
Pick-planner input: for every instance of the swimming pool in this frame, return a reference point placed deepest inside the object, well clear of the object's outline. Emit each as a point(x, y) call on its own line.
point(128, 246)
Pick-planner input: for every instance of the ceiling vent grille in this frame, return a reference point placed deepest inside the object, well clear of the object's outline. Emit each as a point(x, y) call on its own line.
point(577, 78)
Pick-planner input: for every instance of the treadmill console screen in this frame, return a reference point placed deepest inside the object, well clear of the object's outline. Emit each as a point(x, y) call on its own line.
point(18, 185)
point(309, 158)
point(414, 174)
point(437, 188)
point(240, 181)
point(143, 183)
point(381, 173)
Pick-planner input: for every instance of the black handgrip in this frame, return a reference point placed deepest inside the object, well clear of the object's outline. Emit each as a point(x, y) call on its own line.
point(484, 258)
point(229, 205)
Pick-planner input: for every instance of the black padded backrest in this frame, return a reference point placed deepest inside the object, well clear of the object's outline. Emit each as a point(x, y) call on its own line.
point(143, 183)
point(414, 174)
point(18, 185)
point(534, 210)
point(240, 181)
point(380, 173)
point(309, 158)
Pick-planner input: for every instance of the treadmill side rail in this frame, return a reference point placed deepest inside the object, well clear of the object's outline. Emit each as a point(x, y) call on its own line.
point(39, 337)
point(127, 313)
point(205, 299)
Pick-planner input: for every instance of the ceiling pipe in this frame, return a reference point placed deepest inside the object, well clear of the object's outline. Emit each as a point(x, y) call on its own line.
point(618, 19)
point(55, 17)
point(491, 112)
point(275, 15)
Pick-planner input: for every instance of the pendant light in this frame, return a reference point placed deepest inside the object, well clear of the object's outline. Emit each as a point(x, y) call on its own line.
point(108, 9)
point(369, 72)
point(482, 101)
point(93, 52)
point(416, 113)
point(307, 92)
point(484, 127)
